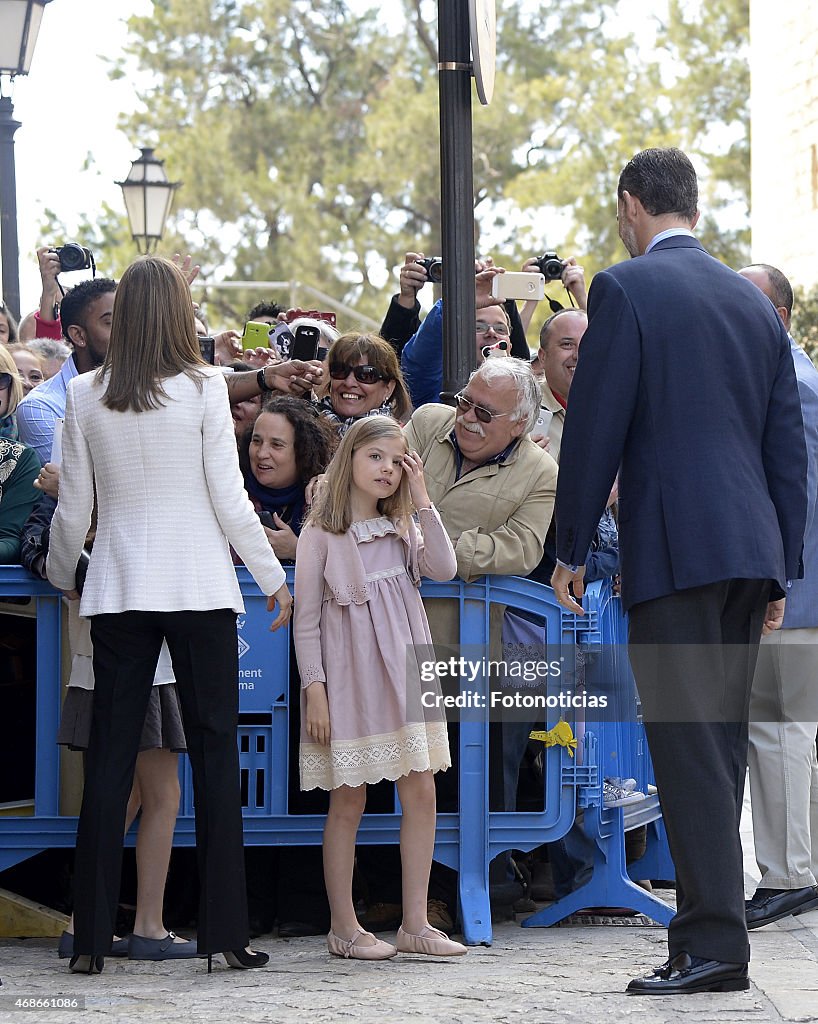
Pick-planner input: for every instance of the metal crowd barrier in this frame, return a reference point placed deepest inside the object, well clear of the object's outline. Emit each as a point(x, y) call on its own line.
point(465, 841)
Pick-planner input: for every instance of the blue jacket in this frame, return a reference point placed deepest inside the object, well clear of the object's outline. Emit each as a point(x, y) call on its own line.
point(686, 380)
point(422, 357)
point(801, 609)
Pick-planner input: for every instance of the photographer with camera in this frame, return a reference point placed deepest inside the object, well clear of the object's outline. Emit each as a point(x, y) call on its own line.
point(498, 330)
point(403, 316)
point(85, 321)
point(553, 268)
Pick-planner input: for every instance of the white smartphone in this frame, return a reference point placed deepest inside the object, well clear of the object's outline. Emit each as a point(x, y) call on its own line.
point(516, 285)
point(543, 423)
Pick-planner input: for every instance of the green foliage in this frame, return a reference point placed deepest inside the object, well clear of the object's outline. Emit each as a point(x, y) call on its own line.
point(305, 132)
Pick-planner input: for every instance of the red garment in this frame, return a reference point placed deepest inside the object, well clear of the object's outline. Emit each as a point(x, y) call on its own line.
point(47, 328)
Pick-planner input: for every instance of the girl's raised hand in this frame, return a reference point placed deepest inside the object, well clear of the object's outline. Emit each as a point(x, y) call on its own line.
point(318, 713)
point(413, 468)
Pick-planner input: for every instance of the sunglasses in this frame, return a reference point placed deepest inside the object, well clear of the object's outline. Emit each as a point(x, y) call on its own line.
point(363, 374)
point(464, 404)
point(5, 381)
point(483, 328)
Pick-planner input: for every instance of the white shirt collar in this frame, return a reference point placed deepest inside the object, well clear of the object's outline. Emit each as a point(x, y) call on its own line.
point(668, 233)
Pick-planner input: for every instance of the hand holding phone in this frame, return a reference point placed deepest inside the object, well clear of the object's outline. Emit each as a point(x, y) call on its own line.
point(305, 344)
point(514, 285)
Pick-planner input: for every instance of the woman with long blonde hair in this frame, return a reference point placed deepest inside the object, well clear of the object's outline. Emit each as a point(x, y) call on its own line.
point(364, 718)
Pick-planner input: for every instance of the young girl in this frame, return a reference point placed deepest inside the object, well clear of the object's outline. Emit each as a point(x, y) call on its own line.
point(358, 615)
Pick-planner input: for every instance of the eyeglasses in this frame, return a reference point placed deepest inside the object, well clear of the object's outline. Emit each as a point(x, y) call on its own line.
point(5, 381)
point(464, 404)
point(363, 374)
point(481, 327)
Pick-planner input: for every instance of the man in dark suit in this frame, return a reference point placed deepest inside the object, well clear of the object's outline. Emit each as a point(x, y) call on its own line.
point(686, 380)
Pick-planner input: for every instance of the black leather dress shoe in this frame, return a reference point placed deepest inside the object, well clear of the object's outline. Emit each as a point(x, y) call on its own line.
point(768, 905)
point(684, 974)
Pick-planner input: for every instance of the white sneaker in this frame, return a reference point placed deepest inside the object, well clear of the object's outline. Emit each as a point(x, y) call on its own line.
point(627, 784)
point(616, 796)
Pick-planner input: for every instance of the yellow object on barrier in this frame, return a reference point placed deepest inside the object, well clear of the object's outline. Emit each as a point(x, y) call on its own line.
point(561, 735)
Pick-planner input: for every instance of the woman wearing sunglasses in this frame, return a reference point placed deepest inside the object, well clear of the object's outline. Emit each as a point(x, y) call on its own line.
point(365, 380)
point(19, 465)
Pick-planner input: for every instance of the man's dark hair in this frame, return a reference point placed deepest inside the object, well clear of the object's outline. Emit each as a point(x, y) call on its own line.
point(547, 325)
point(77, 300)
point(264, 309)
point(663, 180)
point(779, 286)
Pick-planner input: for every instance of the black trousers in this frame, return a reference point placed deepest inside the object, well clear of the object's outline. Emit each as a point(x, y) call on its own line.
point(693, 655)
point(204, 653)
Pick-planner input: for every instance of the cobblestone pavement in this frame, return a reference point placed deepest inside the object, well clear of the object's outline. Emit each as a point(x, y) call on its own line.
point(571, 974)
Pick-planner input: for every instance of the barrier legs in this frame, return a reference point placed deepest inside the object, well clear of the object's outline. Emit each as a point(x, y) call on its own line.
point(609, 885)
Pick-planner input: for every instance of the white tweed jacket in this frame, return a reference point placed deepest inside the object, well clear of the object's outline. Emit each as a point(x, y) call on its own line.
point(170, 500)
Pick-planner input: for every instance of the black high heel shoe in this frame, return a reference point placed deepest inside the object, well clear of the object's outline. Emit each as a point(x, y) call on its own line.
point(86, 963)
point(241, 959)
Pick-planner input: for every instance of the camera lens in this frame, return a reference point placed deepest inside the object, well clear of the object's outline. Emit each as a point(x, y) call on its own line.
point(436, 271)
point(73, 257)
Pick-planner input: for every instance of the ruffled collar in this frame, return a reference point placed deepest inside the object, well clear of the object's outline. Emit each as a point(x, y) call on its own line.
point(368, 529)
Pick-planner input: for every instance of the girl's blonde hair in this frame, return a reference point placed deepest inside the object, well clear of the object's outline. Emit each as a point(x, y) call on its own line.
point(331, 510)
point(153, 336)
point(7, 365)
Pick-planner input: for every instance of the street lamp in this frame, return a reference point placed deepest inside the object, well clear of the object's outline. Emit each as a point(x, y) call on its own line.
point(148, 195)
point(19, 26)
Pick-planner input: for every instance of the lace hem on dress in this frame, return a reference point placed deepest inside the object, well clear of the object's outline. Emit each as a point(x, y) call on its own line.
point(415, 748)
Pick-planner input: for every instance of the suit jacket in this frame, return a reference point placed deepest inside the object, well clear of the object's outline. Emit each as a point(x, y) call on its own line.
point(802, 598)
point(170, 498)
point(685, 377)
point(557, 423)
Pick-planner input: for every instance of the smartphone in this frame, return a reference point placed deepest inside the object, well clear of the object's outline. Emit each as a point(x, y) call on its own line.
point(512, 285)
point(267, 520)
point(207, 346)
point(255, 335)
point(305, 345)
point(543, 423)
point(281, 337)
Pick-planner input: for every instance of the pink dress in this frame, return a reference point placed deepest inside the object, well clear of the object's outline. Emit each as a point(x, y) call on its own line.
point(385, 721)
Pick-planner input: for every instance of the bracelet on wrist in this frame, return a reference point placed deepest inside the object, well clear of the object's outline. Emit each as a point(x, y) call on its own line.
point(262, 381)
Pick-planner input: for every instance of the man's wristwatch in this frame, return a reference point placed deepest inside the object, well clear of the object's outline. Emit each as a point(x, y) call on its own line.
point(262, 381)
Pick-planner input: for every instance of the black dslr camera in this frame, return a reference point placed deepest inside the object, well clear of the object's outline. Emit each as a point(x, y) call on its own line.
point(74, 257)
point(551, 266)
point(433, 266)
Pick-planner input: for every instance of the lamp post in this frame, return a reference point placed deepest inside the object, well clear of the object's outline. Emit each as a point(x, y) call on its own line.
point(148, 195)
point(19, 26)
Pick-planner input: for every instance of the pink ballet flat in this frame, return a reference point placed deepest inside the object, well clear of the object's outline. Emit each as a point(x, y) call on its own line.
point(350, 949)
point(430, 942)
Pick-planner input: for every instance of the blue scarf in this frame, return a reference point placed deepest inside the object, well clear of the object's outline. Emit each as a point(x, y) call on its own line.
point(287, 502)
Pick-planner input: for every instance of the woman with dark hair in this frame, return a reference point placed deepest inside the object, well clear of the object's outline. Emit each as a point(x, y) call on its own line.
point(151, 433)
point(287, 446)
point(365, 380)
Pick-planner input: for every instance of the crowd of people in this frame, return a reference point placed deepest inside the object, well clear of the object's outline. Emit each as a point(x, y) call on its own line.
point(351, 466)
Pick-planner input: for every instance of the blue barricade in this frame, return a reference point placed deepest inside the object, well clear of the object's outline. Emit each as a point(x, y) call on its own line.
point(466, 840)
point(615, 743)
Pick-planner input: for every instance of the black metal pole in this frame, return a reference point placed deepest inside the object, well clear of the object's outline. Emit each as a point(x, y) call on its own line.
point(457, 194)
point(9, 247)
